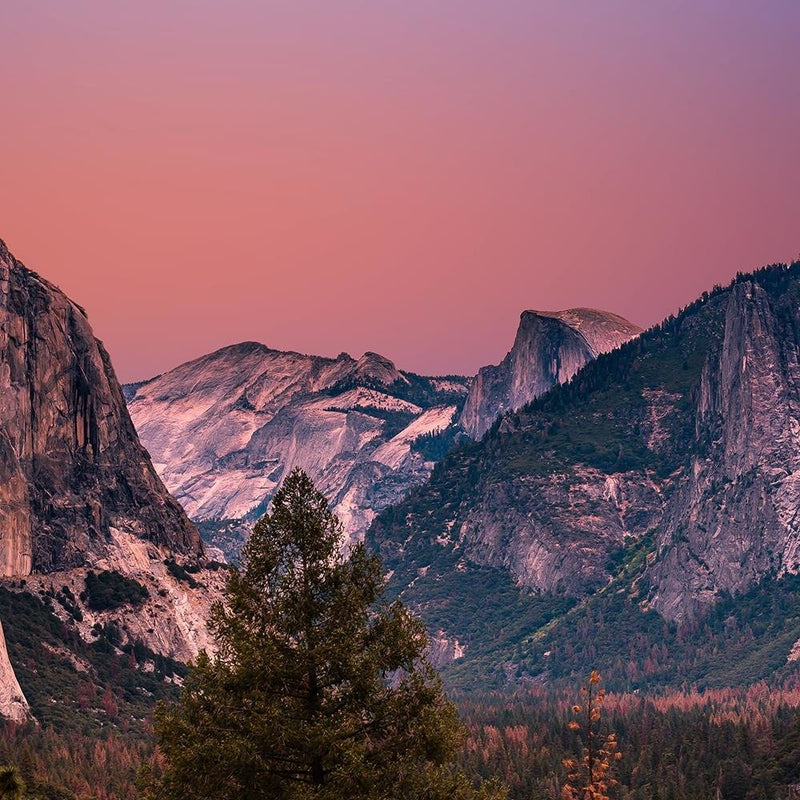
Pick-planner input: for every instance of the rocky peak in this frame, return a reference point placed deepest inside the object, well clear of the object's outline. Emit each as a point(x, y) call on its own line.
point(375, 368)
point(601, 330)
point(225, 428)
point(549, 348)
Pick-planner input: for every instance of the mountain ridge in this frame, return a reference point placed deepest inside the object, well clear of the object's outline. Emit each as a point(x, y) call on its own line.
point(225, 427)
point(558, 491)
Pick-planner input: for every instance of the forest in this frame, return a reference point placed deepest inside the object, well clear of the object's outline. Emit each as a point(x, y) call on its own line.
point(674, 746)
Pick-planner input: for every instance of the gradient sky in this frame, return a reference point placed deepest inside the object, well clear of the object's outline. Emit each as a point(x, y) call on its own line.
point(404, 177)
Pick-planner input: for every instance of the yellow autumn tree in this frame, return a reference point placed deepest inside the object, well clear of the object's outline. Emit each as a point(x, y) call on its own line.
point(591, 776)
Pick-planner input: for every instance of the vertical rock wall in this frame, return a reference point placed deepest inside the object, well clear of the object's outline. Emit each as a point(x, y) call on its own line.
point(71, 465)
point(549, 348)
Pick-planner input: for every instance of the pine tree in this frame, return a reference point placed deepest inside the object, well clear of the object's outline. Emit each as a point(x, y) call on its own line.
point(12, 787)
point(319, 688)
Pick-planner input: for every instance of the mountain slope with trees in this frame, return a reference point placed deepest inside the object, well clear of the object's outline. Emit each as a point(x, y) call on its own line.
point(663, 474)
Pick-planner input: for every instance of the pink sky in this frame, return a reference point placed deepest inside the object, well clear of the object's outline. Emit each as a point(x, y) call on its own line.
point(399, 177)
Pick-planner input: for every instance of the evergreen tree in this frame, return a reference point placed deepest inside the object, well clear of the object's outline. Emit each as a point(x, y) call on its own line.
point(12, 787)
point(319, 689)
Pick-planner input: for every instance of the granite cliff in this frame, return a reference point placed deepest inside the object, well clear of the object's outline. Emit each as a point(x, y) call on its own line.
point(71, 465)
point(549, 348)
point(735, 517)
point(13, 705)
point(79, 495)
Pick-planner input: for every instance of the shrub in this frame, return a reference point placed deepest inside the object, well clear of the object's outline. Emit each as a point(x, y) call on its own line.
point(108, 590)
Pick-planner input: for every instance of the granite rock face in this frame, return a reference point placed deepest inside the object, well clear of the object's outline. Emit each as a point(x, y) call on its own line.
point(554, 534)
point(13, 705)
point(735, 518)
point(225, 429)
point(71, 465)
point(78, 490)
point(171, 620)
point(549, 348)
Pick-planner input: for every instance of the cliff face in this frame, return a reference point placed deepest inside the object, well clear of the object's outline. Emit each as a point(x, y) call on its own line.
point(723, 519)
point(224, 429)
point(735, 518)
point(71, 466)
point(78, 490)
point(556, 534)
point(549, 348)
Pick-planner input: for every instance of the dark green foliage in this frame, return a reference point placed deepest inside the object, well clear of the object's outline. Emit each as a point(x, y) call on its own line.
point(108, 590)
point(12, 787)
point(480, 607)
point(417, 389)
point(67, 600)
point(319, 689)
point(180, 573)
point(394, 420)
point(434, 446)
point(740, 641)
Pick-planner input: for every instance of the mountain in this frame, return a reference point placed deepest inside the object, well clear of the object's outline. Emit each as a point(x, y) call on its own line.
point(94, 551)
point(224, 429)
point(618, 515)
point(72, 470)
point(549, 348)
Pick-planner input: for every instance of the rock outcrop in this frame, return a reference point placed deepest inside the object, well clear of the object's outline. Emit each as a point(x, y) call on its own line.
point(170, 620)
point(77, 489)
point(736, 518)
point(13, 705)
point(224, 429)
point(556, 534)
point(71, 465)
point(549, 348)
